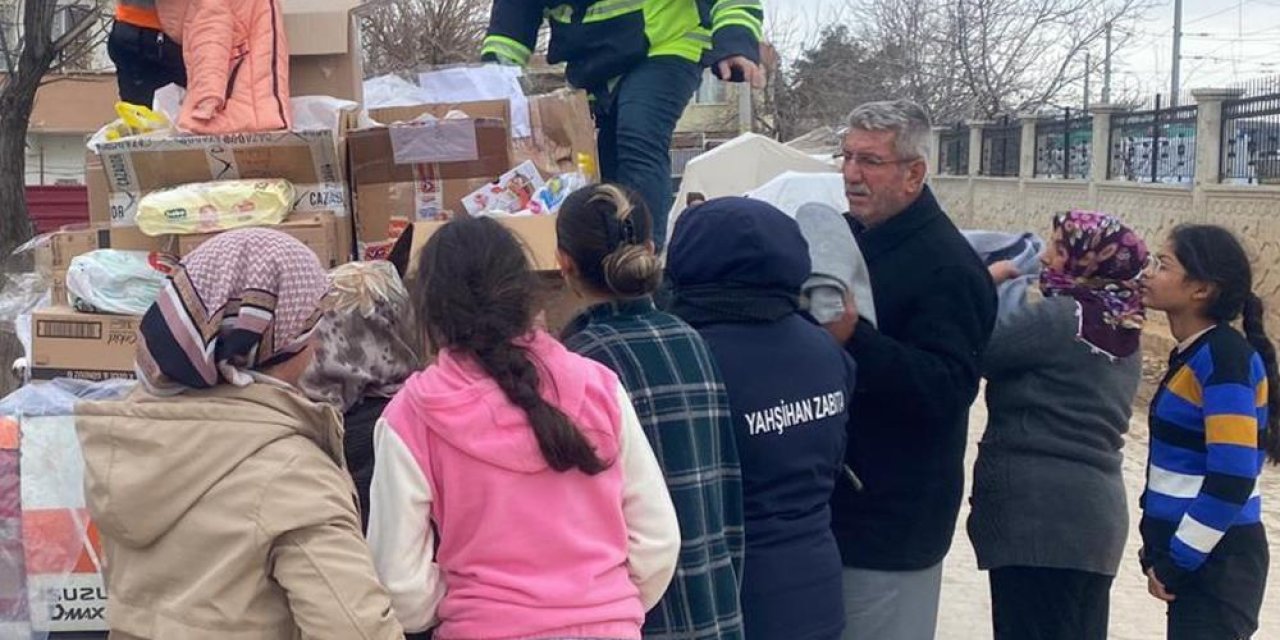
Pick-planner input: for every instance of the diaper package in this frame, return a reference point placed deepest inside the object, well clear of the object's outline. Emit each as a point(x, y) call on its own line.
point(210, 207)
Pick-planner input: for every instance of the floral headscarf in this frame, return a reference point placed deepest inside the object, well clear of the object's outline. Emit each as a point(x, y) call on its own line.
point(1104, 259)
point(367, 342)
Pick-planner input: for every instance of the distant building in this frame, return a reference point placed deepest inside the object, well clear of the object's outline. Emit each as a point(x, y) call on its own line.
point(69, 108)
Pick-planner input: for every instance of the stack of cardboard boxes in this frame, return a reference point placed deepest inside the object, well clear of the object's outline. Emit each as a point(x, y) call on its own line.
point(356, 189)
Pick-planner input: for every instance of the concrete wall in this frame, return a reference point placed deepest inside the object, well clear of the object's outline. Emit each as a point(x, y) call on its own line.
point(1028, 204)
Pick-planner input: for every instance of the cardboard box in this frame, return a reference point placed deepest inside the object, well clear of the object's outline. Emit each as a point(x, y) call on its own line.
point(324, 48)
point(308, 159)
point(562, 123)
point(67, 244)
point(318, 232)
point(95, 180)
point(537, 233)
point(389, 195)
point(563, 129)
point(69, 344)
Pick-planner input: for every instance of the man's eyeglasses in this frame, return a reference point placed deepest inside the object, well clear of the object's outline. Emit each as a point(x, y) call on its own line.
point(867, 161)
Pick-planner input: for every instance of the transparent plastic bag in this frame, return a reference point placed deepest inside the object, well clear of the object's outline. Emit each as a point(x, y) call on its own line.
point(114, 281)
point(50, 556)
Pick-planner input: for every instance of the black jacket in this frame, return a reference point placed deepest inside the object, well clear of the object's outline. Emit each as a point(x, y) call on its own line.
point(357, 442)
point(918, 375)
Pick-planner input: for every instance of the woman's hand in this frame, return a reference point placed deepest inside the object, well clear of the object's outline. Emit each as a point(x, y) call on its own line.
point(1156, 588)
point(1003, 271)
point(843, 328)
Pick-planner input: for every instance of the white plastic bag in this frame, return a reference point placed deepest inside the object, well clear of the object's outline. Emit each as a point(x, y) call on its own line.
point(115, 281)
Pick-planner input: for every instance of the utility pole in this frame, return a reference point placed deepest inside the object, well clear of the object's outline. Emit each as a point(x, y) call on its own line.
point(1087, 73)
point(1106, 69)
point(1176, 76)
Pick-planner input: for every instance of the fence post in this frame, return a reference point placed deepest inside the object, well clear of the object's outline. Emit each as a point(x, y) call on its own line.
point(975, 145)
point(1209, 133)
point(1100, 170)
point(1027, 161)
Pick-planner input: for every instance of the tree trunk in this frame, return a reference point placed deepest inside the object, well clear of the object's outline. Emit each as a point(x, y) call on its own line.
point(16, 101)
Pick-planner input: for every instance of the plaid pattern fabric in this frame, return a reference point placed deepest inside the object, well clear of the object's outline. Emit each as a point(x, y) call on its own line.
point(682, 405)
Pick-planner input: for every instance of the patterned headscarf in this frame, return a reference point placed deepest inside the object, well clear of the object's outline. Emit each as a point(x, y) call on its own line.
point(1104, 259)
point(243, 301)
point(367, 343)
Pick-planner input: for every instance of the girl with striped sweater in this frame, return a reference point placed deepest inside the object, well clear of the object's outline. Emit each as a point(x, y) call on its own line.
point(1213, 424)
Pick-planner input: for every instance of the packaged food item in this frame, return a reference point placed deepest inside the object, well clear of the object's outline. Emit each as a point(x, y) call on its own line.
point(511, 193)
point(115, 281)
point(208, 207)
point(550, 197)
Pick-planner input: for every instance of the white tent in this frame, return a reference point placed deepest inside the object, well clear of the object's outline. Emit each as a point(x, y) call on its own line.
point(738, 166)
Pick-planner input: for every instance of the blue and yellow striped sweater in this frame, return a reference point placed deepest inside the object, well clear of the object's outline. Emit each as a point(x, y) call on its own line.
point(1207, 422)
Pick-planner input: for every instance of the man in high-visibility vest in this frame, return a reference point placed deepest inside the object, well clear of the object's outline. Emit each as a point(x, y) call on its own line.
point(146, 59)
point(641, 60)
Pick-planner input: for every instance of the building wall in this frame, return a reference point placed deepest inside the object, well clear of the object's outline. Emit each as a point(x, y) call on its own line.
point(54, 159)
point(713, 108)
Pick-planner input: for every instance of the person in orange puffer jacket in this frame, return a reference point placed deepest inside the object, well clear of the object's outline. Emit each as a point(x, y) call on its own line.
point(237, 63)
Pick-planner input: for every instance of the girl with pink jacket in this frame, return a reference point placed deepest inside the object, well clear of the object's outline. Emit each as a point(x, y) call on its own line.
point(527, 461)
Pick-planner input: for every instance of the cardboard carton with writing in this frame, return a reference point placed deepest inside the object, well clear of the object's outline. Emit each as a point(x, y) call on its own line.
point(308, 159)
point(69, 344)
point(410, 173)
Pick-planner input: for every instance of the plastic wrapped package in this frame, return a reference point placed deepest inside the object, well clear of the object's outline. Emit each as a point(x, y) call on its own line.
point(115, 281)
point(210, 207)
point(24, 287)
point(51, 579)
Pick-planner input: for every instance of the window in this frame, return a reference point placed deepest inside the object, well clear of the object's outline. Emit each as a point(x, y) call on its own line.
point(711, 91)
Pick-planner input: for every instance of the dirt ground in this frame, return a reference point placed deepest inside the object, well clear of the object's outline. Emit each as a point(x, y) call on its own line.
point(1135, 615)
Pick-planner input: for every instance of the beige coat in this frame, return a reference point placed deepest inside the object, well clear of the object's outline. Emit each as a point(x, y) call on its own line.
point(227, 514)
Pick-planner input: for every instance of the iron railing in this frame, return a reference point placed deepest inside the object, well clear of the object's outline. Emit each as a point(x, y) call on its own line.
point(1250, 151)
point(1001, 148)
point(1064, 146)
point(1155, 146)
point(954, 151)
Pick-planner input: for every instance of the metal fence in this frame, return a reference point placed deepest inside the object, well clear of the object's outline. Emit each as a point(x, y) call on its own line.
point(954, 151)
point(1064, 146)
point(1001, 148)
point(1156, 146)
point(1251, 139)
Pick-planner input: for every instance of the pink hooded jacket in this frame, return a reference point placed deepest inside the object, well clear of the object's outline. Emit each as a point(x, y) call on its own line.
point(525, 551)
point(236, 54)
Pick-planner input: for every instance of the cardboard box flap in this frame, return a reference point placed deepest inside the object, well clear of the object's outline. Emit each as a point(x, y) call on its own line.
point(496, 109)
point(318, 27)
point(372, 157)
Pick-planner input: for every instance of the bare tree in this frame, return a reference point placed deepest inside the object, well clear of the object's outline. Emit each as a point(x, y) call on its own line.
point(402, 36)
point(30, 54)
point(983, 58)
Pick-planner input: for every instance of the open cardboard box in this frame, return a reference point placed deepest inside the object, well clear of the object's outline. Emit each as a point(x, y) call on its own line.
point(325, 56)
point(309, 160)
point(538, 234)
point(389, 195)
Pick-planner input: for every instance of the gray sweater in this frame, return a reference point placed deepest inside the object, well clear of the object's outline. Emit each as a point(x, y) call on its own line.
point(1047, 488)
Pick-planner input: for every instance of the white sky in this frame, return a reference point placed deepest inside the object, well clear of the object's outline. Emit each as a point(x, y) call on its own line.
point(1224, 41)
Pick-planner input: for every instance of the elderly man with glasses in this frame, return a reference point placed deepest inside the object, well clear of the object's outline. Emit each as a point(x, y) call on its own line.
point(918, 375)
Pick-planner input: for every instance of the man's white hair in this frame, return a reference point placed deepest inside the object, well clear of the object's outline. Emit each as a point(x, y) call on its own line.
point(908, 120)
